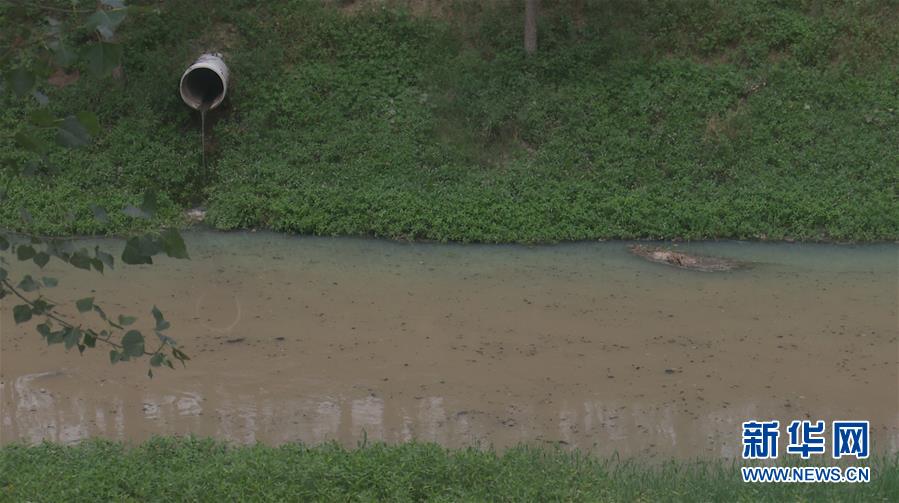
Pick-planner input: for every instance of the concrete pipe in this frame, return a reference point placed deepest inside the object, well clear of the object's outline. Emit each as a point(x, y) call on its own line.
point(205, 83)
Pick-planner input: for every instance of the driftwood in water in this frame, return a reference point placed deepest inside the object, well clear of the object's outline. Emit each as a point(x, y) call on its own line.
point(685, 260)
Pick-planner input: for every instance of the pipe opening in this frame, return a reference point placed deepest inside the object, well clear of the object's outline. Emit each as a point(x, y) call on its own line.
point(202, 88)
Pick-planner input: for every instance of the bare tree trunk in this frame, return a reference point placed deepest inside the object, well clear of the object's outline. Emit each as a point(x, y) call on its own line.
point(530, 25)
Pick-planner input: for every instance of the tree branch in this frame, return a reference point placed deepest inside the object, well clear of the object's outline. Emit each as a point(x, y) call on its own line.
point(73, 10)
point(54, 317)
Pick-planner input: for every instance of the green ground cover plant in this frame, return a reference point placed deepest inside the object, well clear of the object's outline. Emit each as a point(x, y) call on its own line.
point(635, 119)
point(172, 469)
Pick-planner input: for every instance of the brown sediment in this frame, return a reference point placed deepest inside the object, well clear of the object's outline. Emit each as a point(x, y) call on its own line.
point(579, 346)
point(685, 260)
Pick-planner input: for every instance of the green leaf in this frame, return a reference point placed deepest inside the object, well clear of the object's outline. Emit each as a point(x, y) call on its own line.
point(106, 22)
point(89, 121)
point(41, 259)
point(25, 252)
point(150, 244)
point(20, 80)
point(173, 244)
point(21, 313)
point(81, 260)
point(40, 306)
point(57, 337)
point(161, 323)
point(114, 356)
point(3, 274)
point(103, 57)
point(42, 118)
point(180, 355)
point(157, 359)
point(149, 203)
point(28, 284)
point(135, 212)
point(104, 257)
point(61, 248)
point(31, 143)
point(97, 264)
point(134, 253)
point(126, 320)
point(63, 55)
point(90, 339)
point(4, 243)
point(72, 133)
point(100, 215)
point(72, 337)
point(147, 207)
point(50, 282)
point(44, 329)
point(133, 343)
point(84, 305)
point(166, 339)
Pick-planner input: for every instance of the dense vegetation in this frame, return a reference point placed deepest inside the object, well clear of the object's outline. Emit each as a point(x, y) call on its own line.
point(770, 119)
point(167, 469)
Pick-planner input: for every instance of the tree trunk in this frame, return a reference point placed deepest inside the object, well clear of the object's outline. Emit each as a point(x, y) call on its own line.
point(530, 25)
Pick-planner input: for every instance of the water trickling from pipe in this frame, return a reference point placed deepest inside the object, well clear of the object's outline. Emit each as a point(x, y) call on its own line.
point(203, 109)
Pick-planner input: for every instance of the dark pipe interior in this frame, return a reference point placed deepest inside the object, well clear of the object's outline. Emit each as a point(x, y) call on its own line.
point(204, 84)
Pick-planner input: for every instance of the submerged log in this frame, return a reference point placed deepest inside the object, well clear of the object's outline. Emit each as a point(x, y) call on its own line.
point(683, 260)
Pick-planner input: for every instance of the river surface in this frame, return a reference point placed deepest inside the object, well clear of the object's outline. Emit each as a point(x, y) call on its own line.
point(579, 345)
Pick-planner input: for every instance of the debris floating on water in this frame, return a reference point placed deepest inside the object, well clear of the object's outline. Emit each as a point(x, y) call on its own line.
point(686, 260)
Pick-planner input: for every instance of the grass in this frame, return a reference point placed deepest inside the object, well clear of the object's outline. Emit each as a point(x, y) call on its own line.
point(171, 469)
point(636, 119)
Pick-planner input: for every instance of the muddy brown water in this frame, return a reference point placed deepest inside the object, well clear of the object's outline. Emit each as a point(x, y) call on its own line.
point(579, 345)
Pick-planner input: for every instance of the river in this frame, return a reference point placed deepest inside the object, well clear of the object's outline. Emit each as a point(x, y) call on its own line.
point(581, 345)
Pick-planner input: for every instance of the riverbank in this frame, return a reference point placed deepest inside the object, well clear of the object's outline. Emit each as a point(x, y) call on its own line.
point(714, 120)
point(171, 469)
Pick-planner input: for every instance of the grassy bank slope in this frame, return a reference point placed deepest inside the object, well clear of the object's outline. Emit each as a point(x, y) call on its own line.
point(193, 470)
point(693, 119)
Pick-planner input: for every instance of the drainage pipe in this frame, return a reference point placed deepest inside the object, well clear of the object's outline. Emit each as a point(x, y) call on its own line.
point(205, 83)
